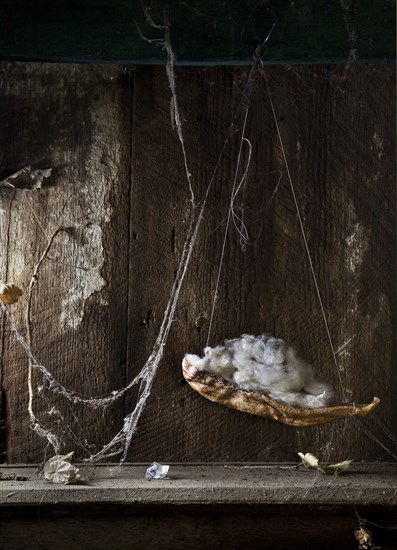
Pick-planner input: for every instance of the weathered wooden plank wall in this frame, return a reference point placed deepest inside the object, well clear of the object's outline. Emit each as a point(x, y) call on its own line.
point(77, 121)
point(338, 132)
point(339, 142)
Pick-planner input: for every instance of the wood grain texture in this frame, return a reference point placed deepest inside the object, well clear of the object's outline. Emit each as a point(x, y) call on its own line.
point(75, 120)
point(204, 484)
point(129, 227)
point(336, 128)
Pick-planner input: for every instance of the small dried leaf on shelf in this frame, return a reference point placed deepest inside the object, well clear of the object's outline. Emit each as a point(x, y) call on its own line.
point(311, 461)
point(59, 469)
point(336, 468)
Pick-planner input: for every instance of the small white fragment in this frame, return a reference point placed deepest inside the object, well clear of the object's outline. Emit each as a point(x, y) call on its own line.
point(59, 469)
point(157, 471)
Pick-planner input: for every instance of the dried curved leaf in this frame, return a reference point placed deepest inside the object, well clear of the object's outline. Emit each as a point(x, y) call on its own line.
point(59, 469)
point(309, 460)
point(336, 468)
point(364, 538)
point(221, 391)
point(26, 178)
point(9, 293)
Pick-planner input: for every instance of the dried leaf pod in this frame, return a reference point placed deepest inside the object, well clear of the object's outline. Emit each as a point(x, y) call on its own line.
point(222, 392)
point(9, 293)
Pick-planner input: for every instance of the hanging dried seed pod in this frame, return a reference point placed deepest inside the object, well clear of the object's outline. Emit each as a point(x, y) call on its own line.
point(9, 293)
point(260, 404)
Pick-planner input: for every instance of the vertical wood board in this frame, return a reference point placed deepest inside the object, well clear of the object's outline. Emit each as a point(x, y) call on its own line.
point(75, 120)
point(335, 123)
point(129, 224)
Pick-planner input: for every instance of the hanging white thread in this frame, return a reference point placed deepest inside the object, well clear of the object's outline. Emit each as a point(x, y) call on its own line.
point(178, 123)
point(228, 220)
point(320, 301)
point(238, 221)
point(165, 43)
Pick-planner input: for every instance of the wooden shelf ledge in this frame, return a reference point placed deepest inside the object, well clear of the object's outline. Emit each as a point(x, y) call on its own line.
point(212, 506)
point(362, 484)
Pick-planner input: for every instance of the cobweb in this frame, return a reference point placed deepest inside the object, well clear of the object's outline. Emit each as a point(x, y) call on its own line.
point(233, 226)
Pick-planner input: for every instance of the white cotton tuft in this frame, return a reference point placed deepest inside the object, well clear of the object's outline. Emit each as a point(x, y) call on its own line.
point(265, 364)
point(198, 362)
point(220, 361)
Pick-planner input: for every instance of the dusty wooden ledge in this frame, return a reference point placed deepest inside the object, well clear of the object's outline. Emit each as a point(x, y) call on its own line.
point(216, 484)
point(200, 506)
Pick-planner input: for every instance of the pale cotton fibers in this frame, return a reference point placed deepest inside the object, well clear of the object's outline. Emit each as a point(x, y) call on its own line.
point(265, 364)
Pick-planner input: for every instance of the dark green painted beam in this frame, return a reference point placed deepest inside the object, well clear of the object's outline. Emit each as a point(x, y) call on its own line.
point(202, 31)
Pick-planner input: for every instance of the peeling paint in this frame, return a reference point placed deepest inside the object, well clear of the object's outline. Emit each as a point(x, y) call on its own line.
point(380, 315)
point(18, 264)
point(86, 281)
point(342, 348)
point(101, 165)
point(378, 145)
point(3, 243)
point(357, 246)
point(298, 150)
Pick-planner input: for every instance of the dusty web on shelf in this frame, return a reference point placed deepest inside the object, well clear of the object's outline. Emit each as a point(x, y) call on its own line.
point(119, 445)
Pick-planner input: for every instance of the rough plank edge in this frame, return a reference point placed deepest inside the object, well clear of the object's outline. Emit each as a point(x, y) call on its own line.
point(210, 62)
point(261, 484)
point(216, 33)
